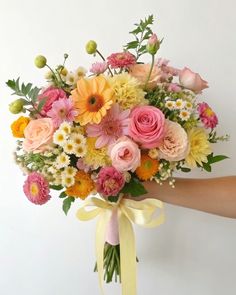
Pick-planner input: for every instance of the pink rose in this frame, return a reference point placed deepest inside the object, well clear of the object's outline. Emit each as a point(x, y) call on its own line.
point(141, 72)
point(52, 94)
point(147, 126)
point(38, 134)
point(192, 81)
point(174, 146)
point(125, 154)
point(109, 181)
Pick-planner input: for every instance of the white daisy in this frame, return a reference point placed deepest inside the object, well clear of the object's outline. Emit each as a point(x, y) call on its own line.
point(62, 161)
point(70, 79)
point(153, 153)
point(179, 104)
point(78, 129)
point(188, 105)
point(184, 115)
point(170, 104)
point(65, 127)
point(67, 180)
point(59, 137)
point(78, 138)
point(69, 171)
point(80, 150)
point(52, 170)
point(69, 147)
point(80, 72)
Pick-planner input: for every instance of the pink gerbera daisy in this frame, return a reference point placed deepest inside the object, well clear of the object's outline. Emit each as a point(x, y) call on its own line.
point(113, 126)
point(62, 110)
point(36, 189)
point(207, 115)
point(121, 59)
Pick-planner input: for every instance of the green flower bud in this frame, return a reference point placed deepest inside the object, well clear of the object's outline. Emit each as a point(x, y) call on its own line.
point(40, 61)
point(91, 47)
point(65, 55)
point(153, 44)
point(16, 106)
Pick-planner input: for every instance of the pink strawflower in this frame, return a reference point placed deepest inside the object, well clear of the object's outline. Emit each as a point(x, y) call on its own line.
point(82, 166)
point(36, 188)
point(98, 68)
point(110, 181)
point(62, 110)
point(113, 126)
point(52, 94)
point(121, 59)
point(207, 115)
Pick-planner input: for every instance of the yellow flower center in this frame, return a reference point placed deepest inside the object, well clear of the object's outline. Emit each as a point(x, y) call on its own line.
point(209, 112)
point(34, 189)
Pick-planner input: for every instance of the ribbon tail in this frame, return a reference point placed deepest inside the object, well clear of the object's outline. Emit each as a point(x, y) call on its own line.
point(100, 241)
point(127, 255)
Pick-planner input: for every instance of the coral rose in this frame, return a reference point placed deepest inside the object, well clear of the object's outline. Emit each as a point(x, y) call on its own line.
point(192, 81)
point(174, 146)
point(147, 126)
point(125, 154)
point(38, 134)
point(141, 72)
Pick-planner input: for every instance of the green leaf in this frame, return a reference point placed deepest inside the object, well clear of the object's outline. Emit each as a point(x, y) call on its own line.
point(185, 169)
point(56, 187)
point(134, 187)
point(217, 158)
point(63, 195)
point(206, 166)
point(67, 204)
point(41, 103)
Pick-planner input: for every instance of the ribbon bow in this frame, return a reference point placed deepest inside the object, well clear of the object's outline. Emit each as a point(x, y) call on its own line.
point(128, 212)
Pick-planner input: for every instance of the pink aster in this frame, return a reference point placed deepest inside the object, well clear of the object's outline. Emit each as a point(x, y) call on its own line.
point(121, 59)
point(207, 115)
point(98, 68)
point(110, 181)
point(112, 127)
point(62, 110)
point(36, 188)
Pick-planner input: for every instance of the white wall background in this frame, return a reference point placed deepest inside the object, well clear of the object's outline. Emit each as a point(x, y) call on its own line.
point(42, 252)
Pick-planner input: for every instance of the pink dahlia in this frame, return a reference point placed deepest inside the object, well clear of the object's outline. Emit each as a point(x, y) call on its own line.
point(52, 94)
point(110, 181)
point(62, 110)
point(207, 115)
point(121, 59)
point(36, 188)
point(98, 68)
point(112, 127)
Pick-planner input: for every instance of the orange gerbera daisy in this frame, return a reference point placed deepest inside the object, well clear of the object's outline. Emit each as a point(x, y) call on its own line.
point(82, 187)
point(92, 98)
point(148, 167)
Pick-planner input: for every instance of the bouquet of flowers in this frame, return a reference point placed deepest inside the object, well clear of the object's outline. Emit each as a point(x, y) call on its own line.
point(96, 137)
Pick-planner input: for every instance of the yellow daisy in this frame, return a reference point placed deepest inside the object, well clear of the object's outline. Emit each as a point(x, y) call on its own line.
point(92, 98)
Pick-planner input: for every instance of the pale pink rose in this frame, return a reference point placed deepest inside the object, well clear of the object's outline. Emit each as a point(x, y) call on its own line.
point(192, 81)
point(147, 126)
point(174, 146)
point(38, 134)
point(125, 154)
point(52, 94)
point(141, 72)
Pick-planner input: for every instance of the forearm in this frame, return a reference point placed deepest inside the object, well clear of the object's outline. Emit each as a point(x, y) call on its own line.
point(214, 195)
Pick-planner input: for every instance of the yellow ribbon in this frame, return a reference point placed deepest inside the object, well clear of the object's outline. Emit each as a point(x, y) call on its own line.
point(128, 212)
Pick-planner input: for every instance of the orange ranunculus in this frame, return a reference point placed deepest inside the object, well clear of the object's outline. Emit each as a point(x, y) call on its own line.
point(92, 98)
point(18, 126)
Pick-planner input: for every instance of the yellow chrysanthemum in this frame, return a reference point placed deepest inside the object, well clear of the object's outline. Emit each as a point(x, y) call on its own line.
point(82, 187)
point(128, 92)
point(199, 147)
point(92, 98)
point(96, 157)
point(148, 167)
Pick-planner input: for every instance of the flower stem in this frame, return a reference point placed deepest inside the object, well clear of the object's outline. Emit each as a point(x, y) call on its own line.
point(54, 75)
point(103, 58)
point(150, 71)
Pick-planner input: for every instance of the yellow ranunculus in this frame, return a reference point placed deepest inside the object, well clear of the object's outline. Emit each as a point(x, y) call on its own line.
point(18, 126)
